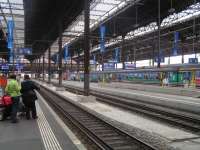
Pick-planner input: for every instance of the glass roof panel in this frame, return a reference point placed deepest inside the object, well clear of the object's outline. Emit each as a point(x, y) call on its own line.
point(99, 10)
point(191, 13)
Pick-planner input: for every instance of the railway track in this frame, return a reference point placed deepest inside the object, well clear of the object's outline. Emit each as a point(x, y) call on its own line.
point(186, 120)
point(104, 135)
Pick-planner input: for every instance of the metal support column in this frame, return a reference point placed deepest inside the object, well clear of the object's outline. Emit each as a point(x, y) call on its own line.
point(36, 68)
point(39, 68)
point(78, 63)
point(153, 54)
point(87, 48)
point(194, 35)
point(60, 53)
point(102, 60)
point(182, 51)
point(43, 69)
point(159, 22)
point(78, 66)
point(71, 63)
point(49, 65)
point(123, 52)
point(31, 69)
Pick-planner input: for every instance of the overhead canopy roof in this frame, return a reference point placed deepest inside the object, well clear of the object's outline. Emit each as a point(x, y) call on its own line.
point(42, 18)
point(127, 18)
point(144, 40)
point(99, 11)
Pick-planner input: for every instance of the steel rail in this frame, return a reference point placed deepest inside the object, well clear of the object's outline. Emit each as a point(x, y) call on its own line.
point(104, 135)
point(179, 118)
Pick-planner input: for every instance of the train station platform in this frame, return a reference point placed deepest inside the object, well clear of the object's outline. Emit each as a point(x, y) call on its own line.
point(182, 91)
point(187, 103)
point(48, 132)
point(151, 131)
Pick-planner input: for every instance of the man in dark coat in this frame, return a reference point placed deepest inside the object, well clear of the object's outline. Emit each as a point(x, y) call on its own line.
point(29, 96)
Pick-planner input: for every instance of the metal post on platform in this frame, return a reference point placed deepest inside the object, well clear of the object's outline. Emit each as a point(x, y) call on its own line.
point(134, 56)
point(35, 73)
point(78, 62)
point(39, 67)
point(86, 47)
point(123, 52)
point(159, 22)
point(49, 65)
point(43, 69)
point(71, 63)
point(60, 53)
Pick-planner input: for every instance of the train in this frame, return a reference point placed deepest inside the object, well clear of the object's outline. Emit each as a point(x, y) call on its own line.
point(176, 75)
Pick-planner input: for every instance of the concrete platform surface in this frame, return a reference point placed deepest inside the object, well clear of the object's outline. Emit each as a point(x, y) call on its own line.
point(174, 101)
point(182, 91)
point(174, 136)
point(45, 133)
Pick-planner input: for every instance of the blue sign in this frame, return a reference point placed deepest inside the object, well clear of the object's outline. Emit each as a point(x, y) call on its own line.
point(66, 53)
point(94, 59)
point(175, 45)
point(10, 39)
point(5, 67)
point(160, 57)
point(19, 66)
point(102, 43)
point(130, 66)
point(57, 58)
point(117, 54)
point(193, 60)
point(109, 66)
point(112, 61)
point(10, 34)
point(25, 51)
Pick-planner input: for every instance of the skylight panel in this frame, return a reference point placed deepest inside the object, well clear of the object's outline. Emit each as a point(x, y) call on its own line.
point(99, 10)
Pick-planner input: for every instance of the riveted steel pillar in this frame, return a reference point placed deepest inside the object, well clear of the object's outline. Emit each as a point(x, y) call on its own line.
point(159, 22)
point(123, 52)
point(86, 48)
point(71, 67)
point(60, 53)
point(43, 69)
point(49, 65)
point(39, 67)
point(78, 62)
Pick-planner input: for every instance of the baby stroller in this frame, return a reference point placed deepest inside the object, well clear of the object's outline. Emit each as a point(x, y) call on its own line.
point(6, 108)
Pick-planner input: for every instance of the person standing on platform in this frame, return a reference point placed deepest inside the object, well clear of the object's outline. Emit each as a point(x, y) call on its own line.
point(13, 90)
point(29, 96)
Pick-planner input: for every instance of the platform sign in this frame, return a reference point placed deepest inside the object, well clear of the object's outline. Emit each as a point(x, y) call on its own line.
point(102, 38)
point(57, 58)
point(193, 60)
point(10, 39)
point(130, 66)
point(112, 61)
point(160, 57)
point(19, 66)
point(109, 66)
point(25, 51)
point(117, 54)
point(92, 62)
point(175, 44)
point(66, 53)
point(5, 67)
